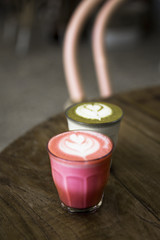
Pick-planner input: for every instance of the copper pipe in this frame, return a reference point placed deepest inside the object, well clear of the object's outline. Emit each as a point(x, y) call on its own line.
point(72, 35)
point(98, 46)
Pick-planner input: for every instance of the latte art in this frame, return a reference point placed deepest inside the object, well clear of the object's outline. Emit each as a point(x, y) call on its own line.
point(93, 111)
point(79, 145)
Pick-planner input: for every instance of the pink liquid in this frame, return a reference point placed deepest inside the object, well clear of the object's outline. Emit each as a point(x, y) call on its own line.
point(80, 180)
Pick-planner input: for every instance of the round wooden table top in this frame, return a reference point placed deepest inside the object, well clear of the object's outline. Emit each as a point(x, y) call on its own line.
point(29, 203)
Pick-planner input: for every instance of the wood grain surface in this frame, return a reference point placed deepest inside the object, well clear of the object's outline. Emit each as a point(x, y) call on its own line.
point(29, 204)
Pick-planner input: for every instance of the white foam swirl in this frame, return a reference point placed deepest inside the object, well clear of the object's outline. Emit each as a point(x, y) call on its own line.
point(79, 145)
point(93, 111)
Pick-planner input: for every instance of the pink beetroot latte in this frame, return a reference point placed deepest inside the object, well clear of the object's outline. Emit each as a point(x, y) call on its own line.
point(80, 164)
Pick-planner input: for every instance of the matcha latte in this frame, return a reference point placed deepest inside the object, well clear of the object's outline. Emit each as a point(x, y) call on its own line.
point(96, 116)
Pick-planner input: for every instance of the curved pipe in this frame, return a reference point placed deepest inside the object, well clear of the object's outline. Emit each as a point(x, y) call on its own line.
point(98, 46)
point(73, 31)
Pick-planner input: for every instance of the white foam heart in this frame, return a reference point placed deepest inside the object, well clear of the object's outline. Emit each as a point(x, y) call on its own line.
point(93, 111)
point(78, 145)
point(94, 107)
point(77, 139)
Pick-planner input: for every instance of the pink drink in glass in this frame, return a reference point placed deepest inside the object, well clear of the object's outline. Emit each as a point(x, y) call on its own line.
point(80, 164)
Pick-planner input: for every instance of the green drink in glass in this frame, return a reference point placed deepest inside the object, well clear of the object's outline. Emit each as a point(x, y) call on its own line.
point(101, 117)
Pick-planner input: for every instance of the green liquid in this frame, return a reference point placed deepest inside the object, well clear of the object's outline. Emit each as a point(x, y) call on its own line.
point(115, 116)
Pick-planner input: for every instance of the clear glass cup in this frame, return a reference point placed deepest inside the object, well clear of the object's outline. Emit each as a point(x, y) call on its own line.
point(80, 184)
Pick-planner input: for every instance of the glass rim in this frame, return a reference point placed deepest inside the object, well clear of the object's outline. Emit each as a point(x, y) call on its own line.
point(81, 161)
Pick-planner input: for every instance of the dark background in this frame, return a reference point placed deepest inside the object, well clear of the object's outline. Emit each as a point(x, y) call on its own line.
point(32, 82)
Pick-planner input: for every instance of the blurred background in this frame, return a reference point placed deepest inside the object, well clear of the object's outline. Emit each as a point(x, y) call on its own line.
point(32, 81)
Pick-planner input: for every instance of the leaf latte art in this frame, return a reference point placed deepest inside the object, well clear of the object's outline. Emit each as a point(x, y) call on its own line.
point(93, 111)
point(79, 145)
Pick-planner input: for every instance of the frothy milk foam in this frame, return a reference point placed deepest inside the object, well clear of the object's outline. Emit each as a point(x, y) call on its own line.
point(79, 145)
point(93, 111)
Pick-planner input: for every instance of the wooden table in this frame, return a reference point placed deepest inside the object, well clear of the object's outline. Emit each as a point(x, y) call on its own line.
point(29, 204)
